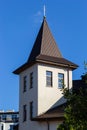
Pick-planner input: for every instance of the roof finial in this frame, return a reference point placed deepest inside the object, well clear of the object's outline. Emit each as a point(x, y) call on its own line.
point(44, 11)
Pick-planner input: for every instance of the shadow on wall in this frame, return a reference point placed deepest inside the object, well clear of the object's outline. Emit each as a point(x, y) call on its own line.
point(60, 101)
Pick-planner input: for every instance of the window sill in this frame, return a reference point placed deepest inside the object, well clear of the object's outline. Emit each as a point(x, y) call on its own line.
point(49, 86)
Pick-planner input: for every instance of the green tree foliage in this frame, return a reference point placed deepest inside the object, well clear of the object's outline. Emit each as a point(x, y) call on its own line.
point(76, 108)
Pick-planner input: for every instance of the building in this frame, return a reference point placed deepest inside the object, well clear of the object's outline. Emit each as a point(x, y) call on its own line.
point(8, 120)
point(41, 80)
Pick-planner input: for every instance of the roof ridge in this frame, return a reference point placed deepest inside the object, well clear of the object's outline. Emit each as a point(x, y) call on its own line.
point(42, 35)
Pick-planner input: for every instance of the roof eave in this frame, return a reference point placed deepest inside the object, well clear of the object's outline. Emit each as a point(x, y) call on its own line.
point(23, 67)
point(48, 119)
point(27, 65)
point(73, 67)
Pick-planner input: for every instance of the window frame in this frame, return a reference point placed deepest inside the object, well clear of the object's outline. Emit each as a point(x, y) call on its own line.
point(49, 78)
point(60, 80)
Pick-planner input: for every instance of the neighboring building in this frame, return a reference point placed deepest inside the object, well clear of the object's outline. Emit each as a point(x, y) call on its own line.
point(8, 120)
point(41, 80)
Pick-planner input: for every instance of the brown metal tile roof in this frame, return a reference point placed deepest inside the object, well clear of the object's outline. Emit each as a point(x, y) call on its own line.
point(61, 62)
point(44, 43)
point(45, 50)
point(57, 61)
point(56, 113)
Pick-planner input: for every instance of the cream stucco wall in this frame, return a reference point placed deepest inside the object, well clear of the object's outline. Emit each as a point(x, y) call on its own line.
point(39, 125)
point(26, 97)
point(43, 97)
point(50, 96)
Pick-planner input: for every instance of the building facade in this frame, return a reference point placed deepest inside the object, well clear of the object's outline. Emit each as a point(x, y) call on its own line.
point(8, 120)
point(42, 78)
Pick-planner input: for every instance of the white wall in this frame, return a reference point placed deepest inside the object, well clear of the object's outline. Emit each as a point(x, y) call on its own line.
point(43, 97)
point(7, 126)
point(40, 125)
point(50, 96)
point(26, 97)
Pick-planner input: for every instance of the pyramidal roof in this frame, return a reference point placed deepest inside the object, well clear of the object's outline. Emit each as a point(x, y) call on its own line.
point(45, 50)
point(45, 43)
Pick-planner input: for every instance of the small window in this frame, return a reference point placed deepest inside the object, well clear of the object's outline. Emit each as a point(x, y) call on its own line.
point(31, 110)
point(31, 80)
point(48, 78)
point(11, 127)
point(25, 83)
point(9, 117)
point(24, 113)
point(2, 127)
point(14, 117)
point(0, 117)
point(4, 117)
point(60, 80)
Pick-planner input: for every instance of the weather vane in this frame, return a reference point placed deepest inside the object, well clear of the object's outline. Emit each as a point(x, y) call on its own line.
point(44, 11)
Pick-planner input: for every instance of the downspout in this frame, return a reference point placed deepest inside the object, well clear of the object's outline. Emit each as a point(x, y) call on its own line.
point(48, 125)
point(68, 77)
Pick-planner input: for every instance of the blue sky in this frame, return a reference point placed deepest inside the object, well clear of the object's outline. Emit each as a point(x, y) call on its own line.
point(20, 21)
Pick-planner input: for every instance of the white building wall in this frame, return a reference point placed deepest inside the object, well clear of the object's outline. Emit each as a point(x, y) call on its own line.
point(39, 125)
point(7, 126)
point(50, 96)
point(42, 96)
point(26, 97)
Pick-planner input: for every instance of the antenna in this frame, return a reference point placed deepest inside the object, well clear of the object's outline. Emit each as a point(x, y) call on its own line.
point(44, 11)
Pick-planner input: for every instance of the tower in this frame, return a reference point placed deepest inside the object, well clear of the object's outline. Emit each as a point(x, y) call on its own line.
point(41, 79)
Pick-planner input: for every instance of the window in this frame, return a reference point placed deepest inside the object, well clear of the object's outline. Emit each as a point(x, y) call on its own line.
point(25, 83)
point(24, 113)
point(0, 117)
point(60, 80)
point(9, 117)
point(14, 117)
point(31, 110)
point(31, 80)
point(4, 117)
point(2, 127)
point(11, 127)
point(48, 78)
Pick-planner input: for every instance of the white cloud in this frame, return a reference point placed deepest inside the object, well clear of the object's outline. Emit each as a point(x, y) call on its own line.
point(38, 17)
point(38, 13)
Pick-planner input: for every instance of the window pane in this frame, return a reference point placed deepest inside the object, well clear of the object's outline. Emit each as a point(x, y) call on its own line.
point(14, 117)
point(48, 78)
point(60, 80)
point(3, 117)
point(48, 73)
